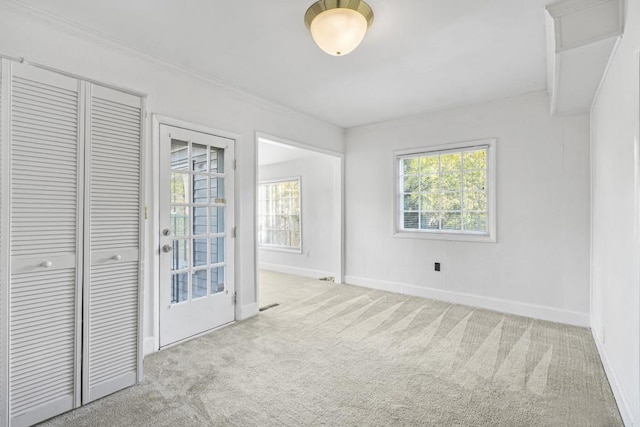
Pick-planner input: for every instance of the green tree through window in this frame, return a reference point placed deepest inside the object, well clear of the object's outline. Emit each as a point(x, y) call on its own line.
point(445, 191)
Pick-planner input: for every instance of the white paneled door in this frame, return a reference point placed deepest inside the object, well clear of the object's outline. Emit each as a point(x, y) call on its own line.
point(196, 227)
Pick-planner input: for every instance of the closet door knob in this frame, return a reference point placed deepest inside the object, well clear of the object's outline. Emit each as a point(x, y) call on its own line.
point(47, 264)
point(116, 257)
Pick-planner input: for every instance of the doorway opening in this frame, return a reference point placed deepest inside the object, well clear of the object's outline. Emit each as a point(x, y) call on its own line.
point(299, 211)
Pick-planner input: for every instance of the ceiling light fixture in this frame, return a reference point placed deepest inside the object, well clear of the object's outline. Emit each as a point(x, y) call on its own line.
point(338, 26)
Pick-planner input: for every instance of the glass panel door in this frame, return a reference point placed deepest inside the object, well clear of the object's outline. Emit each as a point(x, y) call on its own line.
point(196, 241)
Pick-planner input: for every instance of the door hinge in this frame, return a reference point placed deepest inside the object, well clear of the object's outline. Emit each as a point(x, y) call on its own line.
point(234, 232)
point(235, 163)
point(235, 298)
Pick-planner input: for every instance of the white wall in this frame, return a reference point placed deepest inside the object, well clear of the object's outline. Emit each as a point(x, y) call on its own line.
point(540, 263)
point(179, 94)
point(615, 198)
point(319, 228)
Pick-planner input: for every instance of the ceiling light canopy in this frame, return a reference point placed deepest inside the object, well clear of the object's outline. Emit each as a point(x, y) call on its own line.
point(338, 26)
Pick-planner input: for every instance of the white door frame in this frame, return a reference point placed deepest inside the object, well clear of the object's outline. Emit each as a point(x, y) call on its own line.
point(154, 221)
point(338, 264)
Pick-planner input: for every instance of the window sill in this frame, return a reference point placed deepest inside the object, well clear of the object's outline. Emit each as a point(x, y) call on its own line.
point(280, 249)
point(441, 235)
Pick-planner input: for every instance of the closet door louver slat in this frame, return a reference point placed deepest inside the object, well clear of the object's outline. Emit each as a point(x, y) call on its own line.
point(3, 256)
point(111, 341)
point(44, 245)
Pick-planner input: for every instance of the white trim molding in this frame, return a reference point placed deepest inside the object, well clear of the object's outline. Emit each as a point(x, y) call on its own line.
point(614, 382)
point(247, 311)
point(517, 308)
point(296, 271)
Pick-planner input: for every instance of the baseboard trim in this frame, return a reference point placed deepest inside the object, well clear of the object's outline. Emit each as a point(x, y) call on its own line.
point(297, 271)
point(246, 311)
point(495, 304)
point(618, 393)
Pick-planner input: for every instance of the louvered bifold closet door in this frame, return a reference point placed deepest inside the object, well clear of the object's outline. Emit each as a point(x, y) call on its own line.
point(45, 244)
point(111, 340)
point(4, 331)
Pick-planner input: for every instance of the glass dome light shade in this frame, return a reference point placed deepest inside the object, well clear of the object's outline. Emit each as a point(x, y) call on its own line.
point(338, 26)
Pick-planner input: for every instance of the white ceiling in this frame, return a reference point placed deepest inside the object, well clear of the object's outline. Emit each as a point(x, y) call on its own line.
point(419, 55)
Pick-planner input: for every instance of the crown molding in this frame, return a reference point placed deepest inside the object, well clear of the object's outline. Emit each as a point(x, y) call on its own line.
point(94, 36)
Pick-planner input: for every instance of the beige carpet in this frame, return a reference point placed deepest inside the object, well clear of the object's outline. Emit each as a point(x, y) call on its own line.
point(339, 355)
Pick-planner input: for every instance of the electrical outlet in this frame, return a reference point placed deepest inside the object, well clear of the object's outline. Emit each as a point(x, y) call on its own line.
point(307, 253)
point(436, 267)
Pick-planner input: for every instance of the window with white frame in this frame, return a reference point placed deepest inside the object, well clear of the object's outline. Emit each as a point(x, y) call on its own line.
point(447, 190)
point(279, 218)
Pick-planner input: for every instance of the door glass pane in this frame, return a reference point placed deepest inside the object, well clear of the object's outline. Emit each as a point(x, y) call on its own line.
point(217, 250)
point(199, 158)
point(179, 155)
point(199, 284)
point(200, 189)
point(217, 190)
point(217, 160)
point(217, 280)
point(200, 220)
point(199, 252)
point(179, 220)
point(179, 188)
point(179, 288)
point(217, 220)
point(180, 255)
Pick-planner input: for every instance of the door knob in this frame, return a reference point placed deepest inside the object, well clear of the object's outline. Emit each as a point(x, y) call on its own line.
point(167, 248)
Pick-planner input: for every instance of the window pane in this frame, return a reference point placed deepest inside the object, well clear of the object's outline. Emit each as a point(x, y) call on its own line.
point(451, 201)
point(217, 220)
point(411, 184)
point(429, 164)
point(411, 202)
point(180, 255)
point(199, 252)
point(179, 220)
point(217, 160)
point(411, 220)
point(475, 180)
point(429, 202)
point(217, 250)
point(200, 189)
point(199, 284)
point(475, 159)
point(279, 214)
point(199, 158)
point(451, 192)
point(451, 221)
point(410, 166)
point(450, 162)
point(179, 288)
point(451, 181)
point(179, 188)
point(429, 183)
point(200, 220)
point(429, 220)
point(217, 190)
point(217, 280)
point(475, 222)
point(475, 201)
point(179, 155)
